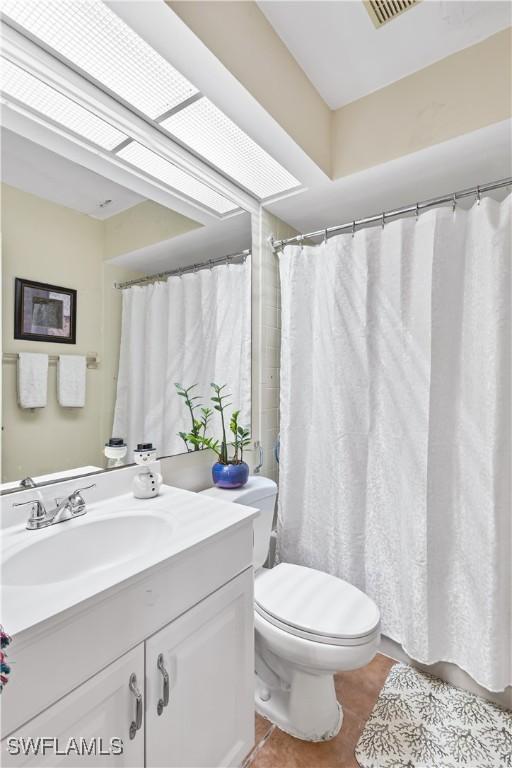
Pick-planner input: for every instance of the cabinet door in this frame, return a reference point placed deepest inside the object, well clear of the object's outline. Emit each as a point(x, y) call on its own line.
point(101, 709)
point(207, 720)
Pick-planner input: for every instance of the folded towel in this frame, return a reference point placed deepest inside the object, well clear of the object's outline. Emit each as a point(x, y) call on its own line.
point(32, 379)
point(71, 381)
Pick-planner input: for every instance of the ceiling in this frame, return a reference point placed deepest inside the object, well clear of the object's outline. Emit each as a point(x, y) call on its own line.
point(346, 57)
point(474, 159)
point(344, 34)
point(34, 169)
point(210, 242)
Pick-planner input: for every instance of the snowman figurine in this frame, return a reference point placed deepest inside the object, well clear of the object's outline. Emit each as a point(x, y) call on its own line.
point(146, 484)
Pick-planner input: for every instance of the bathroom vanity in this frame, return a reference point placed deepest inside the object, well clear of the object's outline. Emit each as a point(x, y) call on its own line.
point(133, 622)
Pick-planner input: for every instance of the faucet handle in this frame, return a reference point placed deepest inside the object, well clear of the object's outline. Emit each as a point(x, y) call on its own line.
point(78, 491)
point(37, 512)
point(76, 499)
point(38, 505)
point(85, 488)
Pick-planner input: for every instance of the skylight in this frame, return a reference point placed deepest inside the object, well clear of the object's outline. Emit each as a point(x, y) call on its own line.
point(50, 103)
point(156, 166)
point(89, 36)
point(211, 134)
point(92, 37)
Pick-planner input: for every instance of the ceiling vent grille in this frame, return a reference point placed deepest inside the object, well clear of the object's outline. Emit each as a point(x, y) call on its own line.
point(382, 11)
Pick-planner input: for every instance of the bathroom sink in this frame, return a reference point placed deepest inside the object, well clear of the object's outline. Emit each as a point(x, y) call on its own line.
point(83, 547)
point(117, 544)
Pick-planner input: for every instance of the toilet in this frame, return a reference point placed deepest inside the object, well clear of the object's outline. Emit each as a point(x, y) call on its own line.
point(309, 625)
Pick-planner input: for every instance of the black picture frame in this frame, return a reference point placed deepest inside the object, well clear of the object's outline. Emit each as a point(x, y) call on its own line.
point(44, 312)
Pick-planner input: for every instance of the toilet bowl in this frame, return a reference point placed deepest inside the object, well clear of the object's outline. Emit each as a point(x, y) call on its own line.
point(308, 626)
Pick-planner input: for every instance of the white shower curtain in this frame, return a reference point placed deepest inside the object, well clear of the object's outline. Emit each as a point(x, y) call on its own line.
point(192, 329)
point(395, 427)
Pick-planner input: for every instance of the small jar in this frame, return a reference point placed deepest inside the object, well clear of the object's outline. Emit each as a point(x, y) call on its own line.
point(115, 451)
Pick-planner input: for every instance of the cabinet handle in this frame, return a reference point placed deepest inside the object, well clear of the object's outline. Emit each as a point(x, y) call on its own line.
point(165, 700)
point(135, 724)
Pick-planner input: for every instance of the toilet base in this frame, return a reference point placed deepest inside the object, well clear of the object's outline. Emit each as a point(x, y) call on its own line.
point(306, 708)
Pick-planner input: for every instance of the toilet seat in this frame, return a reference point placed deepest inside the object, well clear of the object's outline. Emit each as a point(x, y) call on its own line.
point(315, 606)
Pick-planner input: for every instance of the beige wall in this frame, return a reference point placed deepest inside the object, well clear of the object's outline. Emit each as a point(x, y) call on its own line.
point(52, 244)
point(469, 90)
point(466, 91)
point(143, 224)
point(241, 37)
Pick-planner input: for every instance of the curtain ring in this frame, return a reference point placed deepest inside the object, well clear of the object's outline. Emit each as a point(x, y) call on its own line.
point(383, 219)
point(210, 262)
point(180, 272)
point(301, 241)
point(325, 236)
point(454, 202)
point(228, 260)
point(478, 195)
point(417, 211)
point(353, 228)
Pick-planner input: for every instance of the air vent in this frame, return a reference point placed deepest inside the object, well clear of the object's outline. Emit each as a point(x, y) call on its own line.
point(382, 11)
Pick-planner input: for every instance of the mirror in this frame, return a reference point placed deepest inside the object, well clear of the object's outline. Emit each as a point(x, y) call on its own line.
point(70, 237)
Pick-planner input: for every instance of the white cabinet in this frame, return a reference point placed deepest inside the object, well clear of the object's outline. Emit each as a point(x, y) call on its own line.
point(204, 715)
point(205, 718)
point(93, 714)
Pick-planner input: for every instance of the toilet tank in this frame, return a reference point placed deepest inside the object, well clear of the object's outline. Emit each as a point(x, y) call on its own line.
point(261, 493)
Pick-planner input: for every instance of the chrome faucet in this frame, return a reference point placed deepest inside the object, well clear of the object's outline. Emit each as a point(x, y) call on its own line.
point(67, 508)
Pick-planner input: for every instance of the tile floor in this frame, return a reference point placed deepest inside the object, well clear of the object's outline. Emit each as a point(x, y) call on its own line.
point(357, 692)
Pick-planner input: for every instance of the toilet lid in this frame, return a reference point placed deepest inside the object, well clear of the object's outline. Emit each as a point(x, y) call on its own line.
point(315, 603)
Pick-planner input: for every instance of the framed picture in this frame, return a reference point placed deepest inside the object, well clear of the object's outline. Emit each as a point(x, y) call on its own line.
point(44, 312)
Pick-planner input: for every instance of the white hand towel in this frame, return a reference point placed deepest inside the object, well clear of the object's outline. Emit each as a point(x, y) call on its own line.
point(71, 381)
point(32, 379)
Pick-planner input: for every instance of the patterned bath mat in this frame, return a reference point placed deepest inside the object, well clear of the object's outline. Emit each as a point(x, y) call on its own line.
point(419, 721)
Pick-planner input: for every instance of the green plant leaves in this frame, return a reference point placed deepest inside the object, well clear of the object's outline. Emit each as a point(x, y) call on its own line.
point(197, 439)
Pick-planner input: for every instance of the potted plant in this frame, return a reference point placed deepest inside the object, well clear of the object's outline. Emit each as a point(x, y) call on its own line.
point(228, 471)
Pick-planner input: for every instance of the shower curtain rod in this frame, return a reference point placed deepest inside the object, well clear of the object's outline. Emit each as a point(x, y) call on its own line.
point(382, 217)
point(239, 257)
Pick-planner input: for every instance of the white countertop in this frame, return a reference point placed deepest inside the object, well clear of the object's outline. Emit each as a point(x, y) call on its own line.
point(191, 518)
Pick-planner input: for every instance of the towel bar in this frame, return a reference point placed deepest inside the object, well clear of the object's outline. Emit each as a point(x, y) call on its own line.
point(93, 359)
